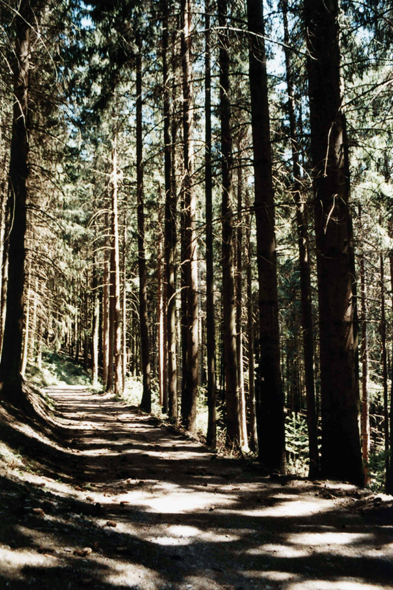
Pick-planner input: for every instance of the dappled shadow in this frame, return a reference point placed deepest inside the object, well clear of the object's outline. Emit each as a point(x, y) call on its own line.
point(151, 508)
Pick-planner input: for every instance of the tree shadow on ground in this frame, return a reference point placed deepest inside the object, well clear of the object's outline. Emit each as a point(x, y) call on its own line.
point(130, 503)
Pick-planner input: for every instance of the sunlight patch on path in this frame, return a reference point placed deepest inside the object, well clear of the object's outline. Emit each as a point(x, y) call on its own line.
point(340, 584)
point(329, 538)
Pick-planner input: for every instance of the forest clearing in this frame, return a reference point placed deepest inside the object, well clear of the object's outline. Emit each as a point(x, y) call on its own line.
point(102, 495)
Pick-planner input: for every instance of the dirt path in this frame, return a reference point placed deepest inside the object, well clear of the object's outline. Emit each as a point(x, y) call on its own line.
point(123, 501)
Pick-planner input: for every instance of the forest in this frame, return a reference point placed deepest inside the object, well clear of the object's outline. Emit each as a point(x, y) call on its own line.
point(196, 202)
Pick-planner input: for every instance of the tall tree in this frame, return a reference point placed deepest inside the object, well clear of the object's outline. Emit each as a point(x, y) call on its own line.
point(145, 346)
point(269, 395)
point(170, 404)
point(341, 454)
point(304, 258)
point(210, 325)
point(190, 393)
point(228, 263)
point(25, 20)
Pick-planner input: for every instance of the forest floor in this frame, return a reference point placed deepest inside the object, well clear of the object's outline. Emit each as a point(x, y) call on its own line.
point(103, 496)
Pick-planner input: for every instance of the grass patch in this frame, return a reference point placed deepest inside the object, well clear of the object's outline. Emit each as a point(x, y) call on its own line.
point(57, 370)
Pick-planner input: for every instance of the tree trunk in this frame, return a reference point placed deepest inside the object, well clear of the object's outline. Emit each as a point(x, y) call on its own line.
point(96, 325)
point(389, 478)
point(144, 328)
point(170, 399)
point(124, 306)
point(304, 263)
point(211, 438)
point(270, 399)
point(10, 366)
point(105, 307)
point(190, 394)
point(341, 453)
point(111, 314)
point(239, 295)
point(384, 367)
point(118, 372)
point(252, 425)
point(228, 279)
point(364, 358)
point(162, 382)
point(26, 332)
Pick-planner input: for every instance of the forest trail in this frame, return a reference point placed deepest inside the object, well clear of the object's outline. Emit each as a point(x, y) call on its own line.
point(123, 500)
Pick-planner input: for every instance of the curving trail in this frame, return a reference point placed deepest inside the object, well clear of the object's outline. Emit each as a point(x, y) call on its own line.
point(125, 501)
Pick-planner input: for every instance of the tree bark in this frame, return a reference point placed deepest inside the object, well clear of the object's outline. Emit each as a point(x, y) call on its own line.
point(239, 308)
point(211, 438)
point(384, 367)
point(270, 399)
point(118, 372)
point(170, 399)
point(365, 429)
point(105, 306)
point(228, 278)
point(190, 393)
point(341, 453)
point(144, 327)
point(304, 262)
point(10, 366)
point(252, 425)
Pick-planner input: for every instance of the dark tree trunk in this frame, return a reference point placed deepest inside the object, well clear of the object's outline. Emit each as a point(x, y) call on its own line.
point(10, 366)
point(170, 400)
point(190, 393)
point(365, 429)
point(146, 396)
point(304, 263)
point(270, 399)
point(341, 454)
point(210, 326)
point(228, 279)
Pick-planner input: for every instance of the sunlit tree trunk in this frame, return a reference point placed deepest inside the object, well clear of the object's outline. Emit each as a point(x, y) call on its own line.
point(252, 425)
point(384, 365)
point(145, 345)
point(161, 311)
point(210, 325)
point(124, 306)
point(118, 372)
point(190, 393)
point(239, 309)
point(105, 306)
point(389, 478)
point(27, 328)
